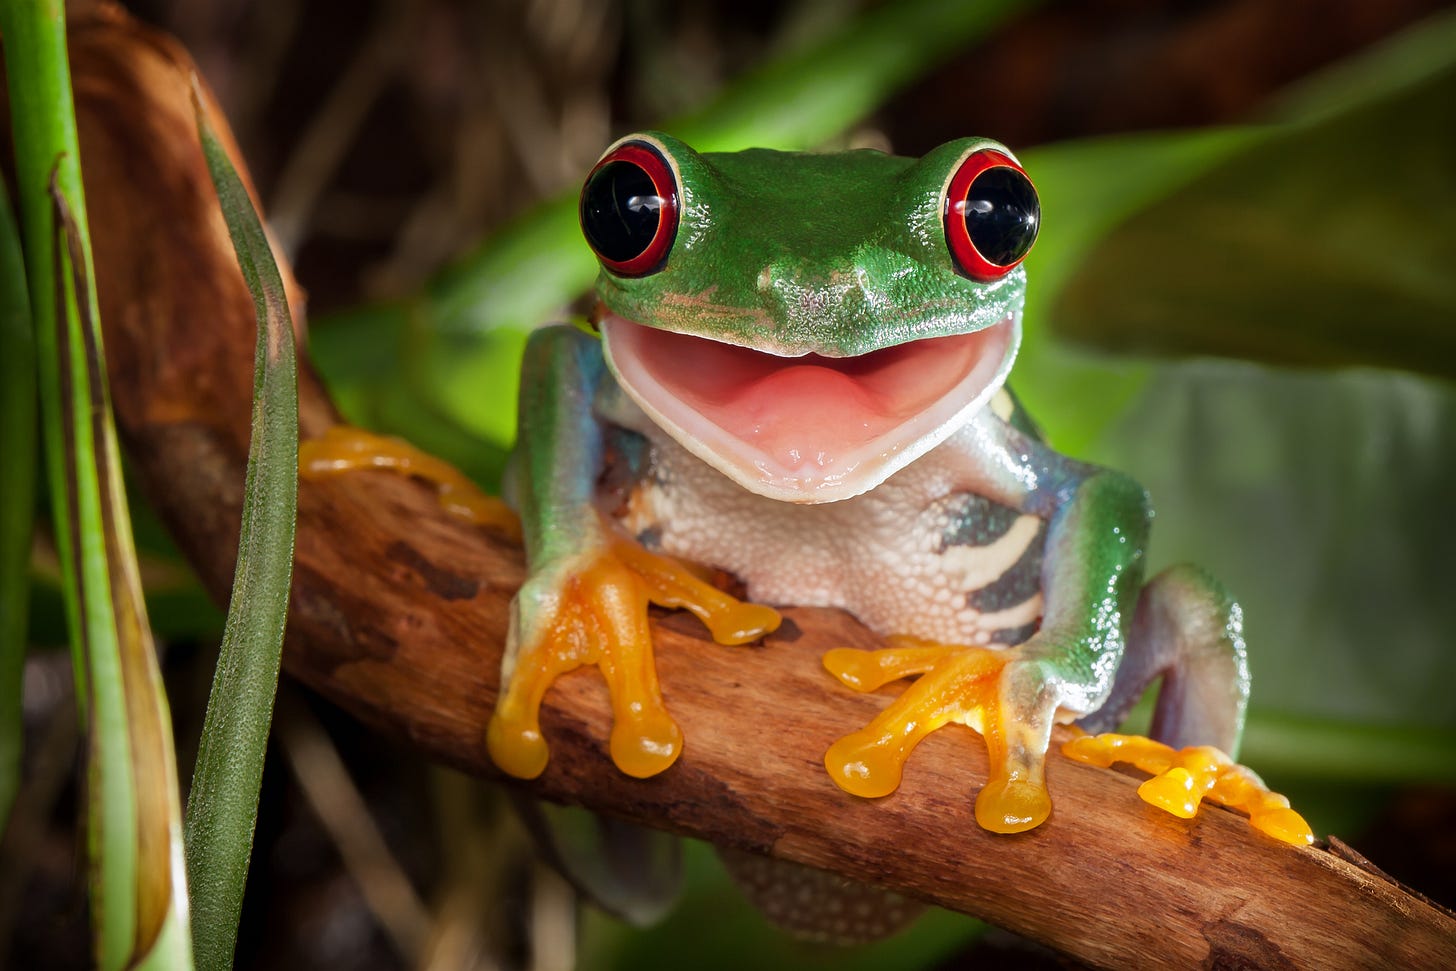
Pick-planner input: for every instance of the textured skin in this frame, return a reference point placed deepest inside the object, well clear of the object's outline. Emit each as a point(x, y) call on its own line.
point(789, 253)
point(921, 554)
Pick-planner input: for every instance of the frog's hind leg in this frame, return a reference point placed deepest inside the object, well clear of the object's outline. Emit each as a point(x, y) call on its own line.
point(1188, 630)
point(816, 905)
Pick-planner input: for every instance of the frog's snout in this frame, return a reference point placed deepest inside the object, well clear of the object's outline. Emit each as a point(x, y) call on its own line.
point(814, 307)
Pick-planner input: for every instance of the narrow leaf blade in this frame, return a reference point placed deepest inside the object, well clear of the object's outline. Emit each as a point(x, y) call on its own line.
point(223, 805)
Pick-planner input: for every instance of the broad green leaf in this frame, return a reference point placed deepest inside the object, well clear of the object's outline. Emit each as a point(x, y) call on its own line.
point(17, 486)
point(456, 349)
point(1086, 189)
point(222, 808)
point(1318, 499)
point(1328, 242)
point(138, 895)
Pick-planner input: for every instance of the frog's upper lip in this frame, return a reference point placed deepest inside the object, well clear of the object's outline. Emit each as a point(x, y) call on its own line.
point(810, 428)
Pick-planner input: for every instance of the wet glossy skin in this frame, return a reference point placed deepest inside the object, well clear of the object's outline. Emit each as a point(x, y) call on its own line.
point(803, 384)
point(819, 470)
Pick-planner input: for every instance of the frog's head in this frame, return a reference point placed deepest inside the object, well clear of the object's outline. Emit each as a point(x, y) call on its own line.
point(809, 324)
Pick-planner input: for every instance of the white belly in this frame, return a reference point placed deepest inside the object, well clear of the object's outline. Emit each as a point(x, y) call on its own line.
point(904, 558)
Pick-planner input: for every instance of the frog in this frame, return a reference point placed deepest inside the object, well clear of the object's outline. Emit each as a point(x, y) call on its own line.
point(795, 371)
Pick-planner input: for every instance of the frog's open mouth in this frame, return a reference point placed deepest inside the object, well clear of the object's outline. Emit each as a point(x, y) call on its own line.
point(810, 428)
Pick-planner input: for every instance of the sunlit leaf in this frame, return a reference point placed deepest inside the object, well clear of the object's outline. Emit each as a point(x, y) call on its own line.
point(223, 806)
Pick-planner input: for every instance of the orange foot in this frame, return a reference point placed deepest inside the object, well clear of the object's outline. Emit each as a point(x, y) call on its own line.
point(1183, 778)
point(589, 610)
point(593, 610)
point(957, 684)
point(344, 448)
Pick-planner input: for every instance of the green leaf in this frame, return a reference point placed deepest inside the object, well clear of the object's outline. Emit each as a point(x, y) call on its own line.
point(17, 485)
point(223, 806)
point(809, 95)
point(1086, 189)
point(1317, 498)
point(138, 898)
point(1328, 241)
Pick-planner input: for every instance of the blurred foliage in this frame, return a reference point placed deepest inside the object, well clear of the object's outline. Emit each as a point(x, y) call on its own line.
point(715, 928)
point(1325, 241)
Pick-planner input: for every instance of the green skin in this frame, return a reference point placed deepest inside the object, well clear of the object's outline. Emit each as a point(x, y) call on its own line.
point(841, 255)
point(882, 224)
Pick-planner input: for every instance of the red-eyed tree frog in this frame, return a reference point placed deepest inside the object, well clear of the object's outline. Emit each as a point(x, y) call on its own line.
point(799, 376)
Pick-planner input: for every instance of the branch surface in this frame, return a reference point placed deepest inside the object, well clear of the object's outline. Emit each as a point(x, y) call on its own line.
point(399, 613)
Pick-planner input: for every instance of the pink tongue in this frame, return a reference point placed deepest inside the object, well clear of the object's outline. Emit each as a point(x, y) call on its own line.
point(806, 413)
point(810, 410)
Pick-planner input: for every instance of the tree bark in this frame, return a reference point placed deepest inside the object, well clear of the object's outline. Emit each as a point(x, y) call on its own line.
point(400, 611)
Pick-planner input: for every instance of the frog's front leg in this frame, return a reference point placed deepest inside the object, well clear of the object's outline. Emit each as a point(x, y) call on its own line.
point(586, 597)
point(1097, 525)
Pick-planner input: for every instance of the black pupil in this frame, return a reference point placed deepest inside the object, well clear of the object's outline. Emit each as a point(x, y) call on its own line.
point(620, 210)
point(1001, 215)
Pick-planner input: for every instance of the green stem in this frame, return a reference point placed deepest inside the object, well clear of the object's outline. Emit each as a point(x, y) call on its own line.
point(138, 899)
point(44, 131)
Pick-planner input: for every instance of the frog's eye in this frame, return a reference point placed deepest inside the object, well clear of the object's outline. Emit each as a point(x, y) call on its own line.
point(991, 215)
point(629, 209)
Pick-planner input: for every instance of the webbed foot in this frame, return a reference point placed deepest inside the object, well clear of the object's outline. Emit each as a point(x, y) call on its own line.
point(592, 609)
point(345, 448)
point(587, 608)
point(975, 686)
point(1183, 778)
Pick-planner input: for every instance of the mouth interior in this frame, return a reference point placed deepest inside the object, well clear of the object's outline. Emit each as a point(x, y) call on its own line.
point(803, 423)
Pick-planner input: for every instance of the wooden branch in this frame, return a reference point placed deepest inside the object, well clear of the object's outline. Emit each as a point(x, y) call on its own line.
point(399, 612)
